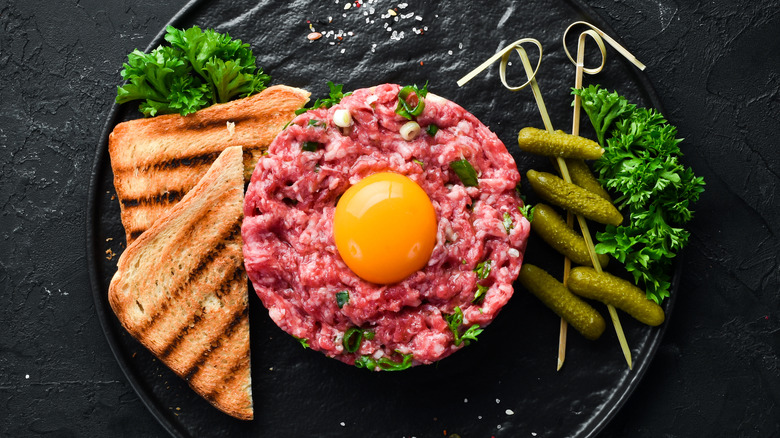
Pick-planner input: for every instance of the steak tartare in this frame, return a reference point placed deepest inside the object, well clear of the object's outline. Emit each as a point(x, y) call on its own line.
point(295, 267)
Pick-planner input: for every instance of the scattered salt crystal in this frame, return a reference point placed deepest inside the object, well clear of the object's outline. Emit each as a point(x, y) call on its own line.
point(533, 433)
point(510, 412)
point(498, 426)
point(498, 401)
point(449, 52)
point(26, 376)
point(460, 46)
point(402, 5)
point(465, 400)
point(347, 6)
point(343, 424)
point(479, 417)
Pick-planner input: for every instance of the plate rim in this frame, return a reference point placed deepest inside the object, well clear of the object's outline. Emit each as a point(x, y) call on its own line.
point(164, 418)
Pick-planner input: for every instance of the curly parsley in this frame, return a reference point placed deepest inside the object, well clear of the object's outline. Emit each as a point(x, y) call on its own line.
point(641, 164)
point(198, 69)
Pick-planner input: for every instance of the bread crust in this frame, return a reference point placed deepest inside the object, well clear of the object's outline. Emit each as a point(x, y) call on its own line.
point(181, 289)
point(157, 160)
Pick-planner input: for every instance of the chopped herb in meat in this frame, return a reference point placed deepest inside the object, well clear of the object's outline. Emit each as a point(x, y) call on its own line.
point(455, 321)
point(384, 363)
point(466, 172)
point(342, 298)
point(404, 108)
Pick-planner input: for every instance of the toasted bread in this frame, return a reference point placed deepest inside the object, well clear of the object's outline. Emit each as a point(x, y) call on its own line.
point(181, 288)
point(157, 160)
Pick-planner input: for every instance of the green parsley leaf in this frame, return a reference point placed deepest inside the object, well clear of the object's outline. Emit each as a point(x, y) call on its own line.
point(479, 296)
point(334, 96)
point(384, 363)
point(465, 172)
point(454, 321)
point(508, 223)
point(528, 211)
point(310, 146)
point(198, 69)
point(483, 269)
point(641, 164)
point(342, 298)
point(304, 342)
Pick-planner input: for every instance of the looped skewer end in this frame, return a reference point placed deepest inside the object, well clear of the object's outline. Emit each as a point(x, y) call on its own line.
point(600, 37)
point(504, 54)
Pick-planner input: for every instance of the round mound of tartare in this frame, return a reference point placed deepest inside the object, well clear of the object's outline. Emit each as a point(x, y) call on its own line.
point(296, 268)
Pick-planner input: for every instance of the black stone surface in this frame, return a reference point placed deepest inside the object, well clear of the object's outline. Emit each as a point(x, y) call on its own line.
point(715, 66)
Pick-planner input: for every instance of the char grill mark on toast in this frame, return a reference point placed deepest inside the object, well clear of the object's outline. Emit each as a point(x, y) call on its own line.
point(202, 267)
point(239, 317)
point(204, 159)
point(163, 198)
point(231, 375)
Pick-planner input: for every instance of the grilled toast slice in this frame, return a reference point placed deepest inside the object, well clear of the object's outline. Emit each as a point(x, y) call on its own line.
point(157, 160)
point(181, 288)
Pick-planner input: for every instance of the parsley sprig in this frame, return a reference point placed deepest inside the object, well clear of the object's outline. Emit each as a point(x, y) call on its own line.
point(335, 95)
point(454, 321)
point(198, 69)
point(641, 164)
point(384, 363)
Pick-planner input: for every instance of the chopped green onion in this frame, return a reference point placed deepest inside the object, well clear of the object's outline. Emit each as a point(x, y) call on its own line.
point(419, 162)
point(310, 146)
point(316, 123)
point(353, 337)
point(403, 108)
point(465, 172)
point(432, 130)
point(342, 298)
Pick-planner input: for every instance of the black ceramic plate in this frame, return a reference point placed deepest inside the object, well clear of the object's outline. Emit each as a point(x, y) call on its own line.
point(505, 384)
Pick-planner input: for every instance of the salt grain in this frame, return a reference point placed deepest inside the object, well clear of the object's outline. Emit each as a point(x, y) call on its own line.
point(510, 412)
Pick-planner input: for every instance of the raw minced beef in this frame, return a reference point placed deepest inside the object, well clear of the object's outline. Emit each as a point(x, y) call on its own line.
point(291, 256)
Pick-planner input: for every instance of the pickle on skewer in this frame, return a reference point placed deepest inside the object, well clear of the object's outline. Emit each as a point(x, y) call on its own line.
point(553, 229)
point(609, 289)
point(573, 198)
point(582, 176)
point(558, 144)
point(579, 314)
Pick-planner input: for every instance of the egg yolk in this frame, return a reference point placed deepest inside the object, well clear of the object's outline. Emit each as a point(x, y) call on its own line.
point(385, 228)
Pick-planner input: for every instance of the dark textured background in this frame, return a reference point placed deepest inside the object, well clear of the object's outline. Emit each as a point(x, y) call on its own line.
point(715, 65)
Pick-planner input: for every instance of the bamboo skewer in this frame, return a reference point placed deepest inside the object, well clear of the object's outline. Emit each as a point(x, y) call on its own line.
point(504, 54)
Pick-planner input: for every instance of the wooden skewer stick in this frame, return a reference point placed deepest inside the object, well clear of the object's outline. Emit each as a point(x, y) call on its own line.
point(565, 174)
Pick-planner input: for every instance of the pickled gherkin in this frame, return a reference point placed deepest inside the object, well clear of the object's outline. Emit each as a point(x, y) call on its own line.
point(558, 144)
point(553, 229)
point(573, 198)
point(609, 289)
point(582, 176)
point(579, 314)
